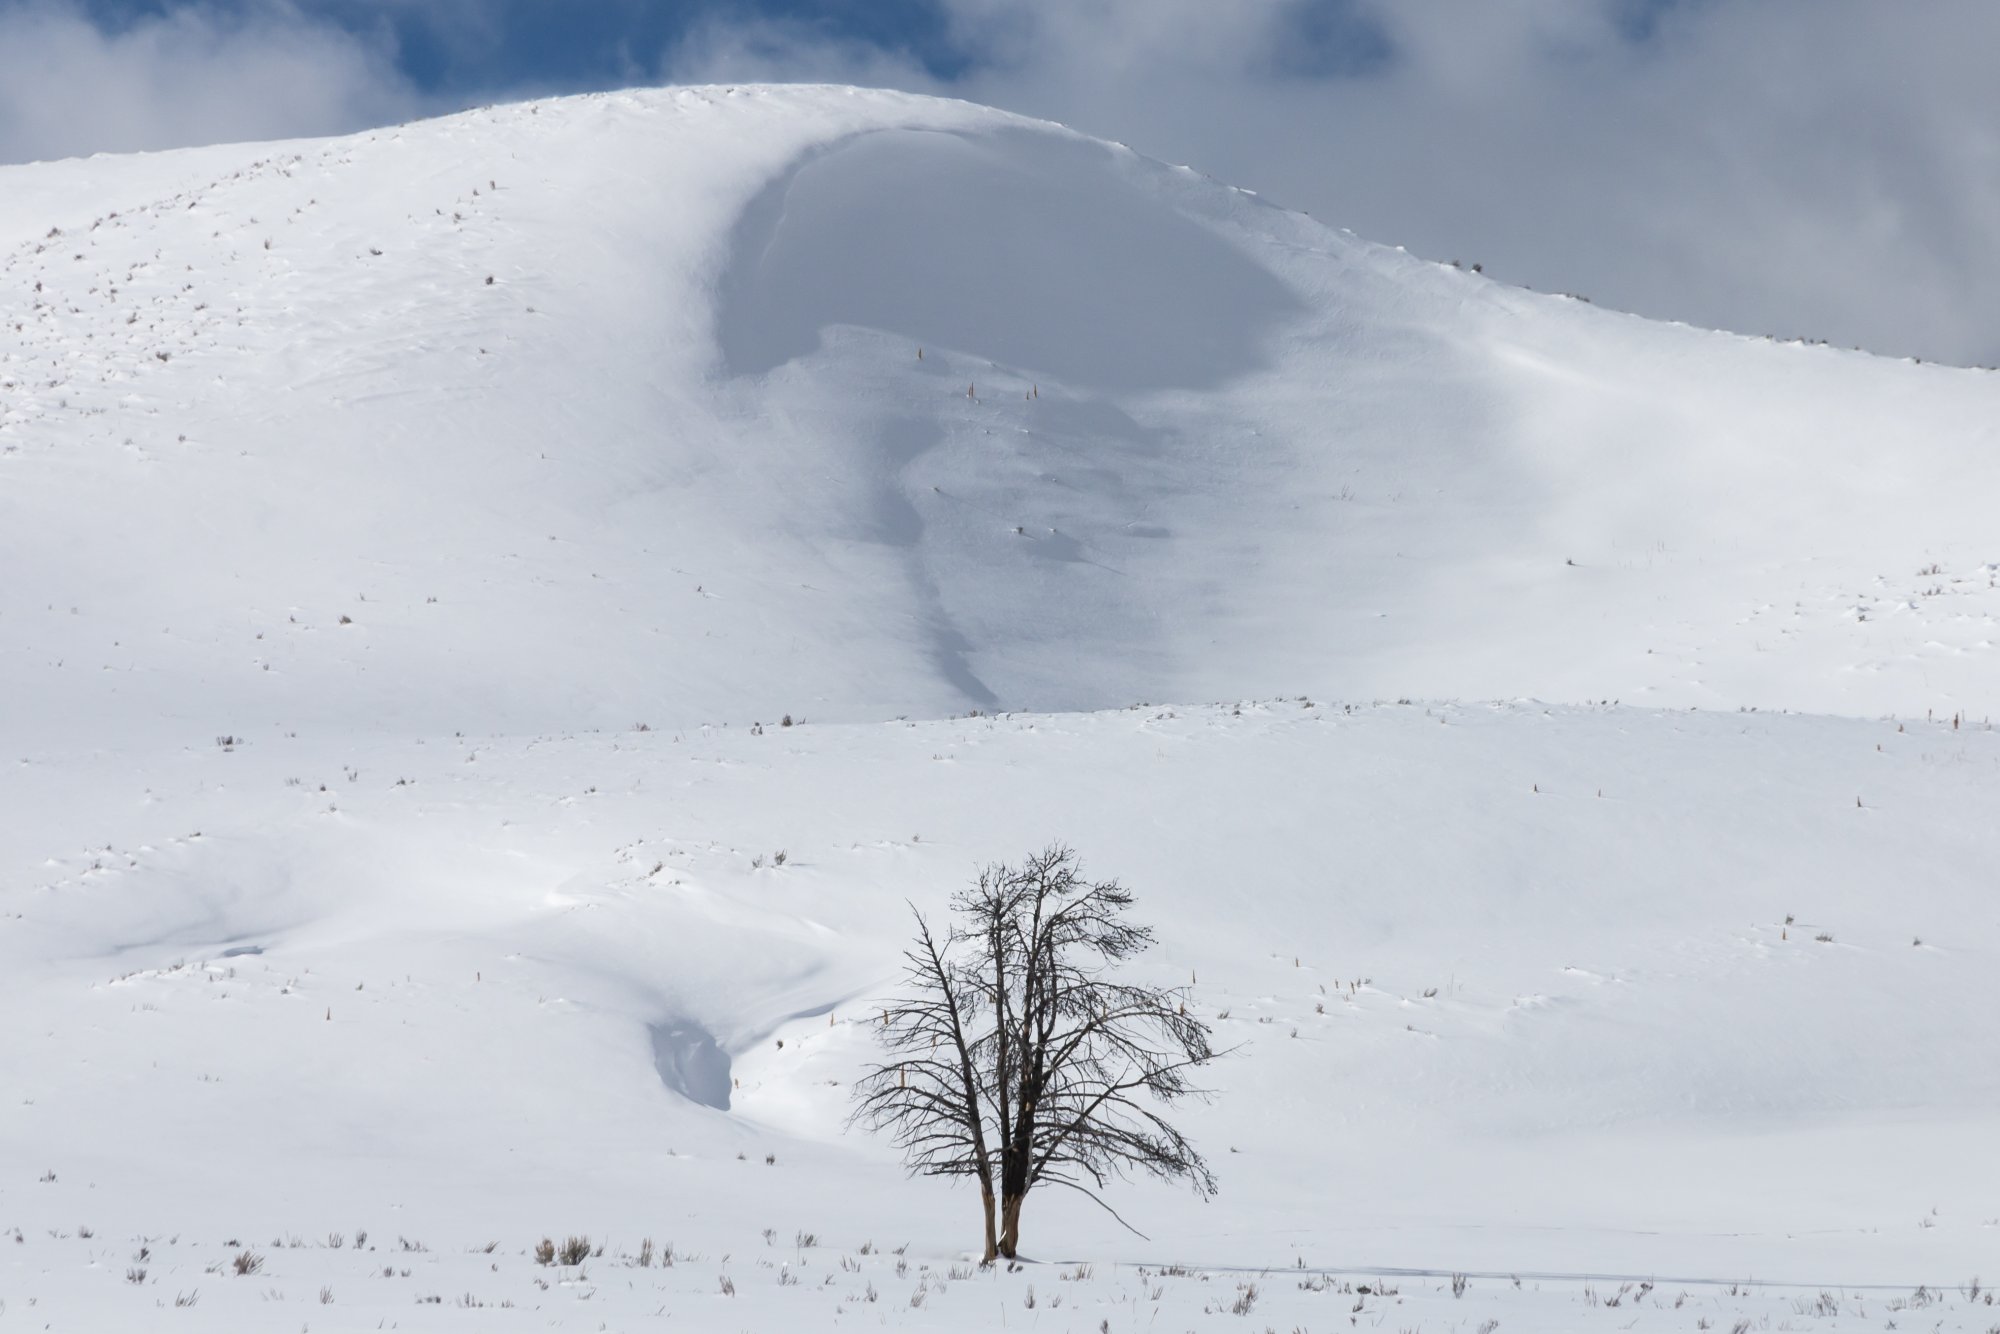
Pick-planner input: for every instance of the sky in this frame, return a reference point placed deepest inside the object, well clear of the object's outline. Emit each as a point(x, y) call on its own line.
point(1824, 169)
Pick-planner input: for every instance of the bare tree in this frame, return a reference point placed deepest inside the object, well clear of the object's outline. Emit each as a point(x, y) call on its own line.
point(1018, 1060)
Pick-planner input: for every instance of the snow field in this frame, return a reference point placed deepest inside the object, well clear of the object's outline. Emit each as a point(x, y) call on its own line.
point(802, 1282)
point(1490, 1020)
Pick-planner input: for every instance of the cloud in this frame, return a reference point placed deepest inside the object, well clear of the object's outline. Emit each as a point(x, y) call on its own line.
point(725, 49)
point(194, 74)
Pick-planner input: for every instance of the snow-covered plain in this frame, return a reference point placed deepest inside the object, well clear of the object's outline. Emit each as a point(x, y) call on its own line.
point(400, 536)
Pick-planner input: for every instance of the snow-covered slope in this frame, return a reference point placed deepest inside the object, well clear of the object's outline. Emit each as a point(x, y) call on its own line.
point(679, 460)
point(1518, 991)
point(361, 499)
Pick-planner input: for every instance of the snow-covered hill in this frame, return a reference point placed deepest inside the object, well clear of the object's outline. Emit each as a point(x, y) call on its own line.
point(608, 410)
point(400, 534)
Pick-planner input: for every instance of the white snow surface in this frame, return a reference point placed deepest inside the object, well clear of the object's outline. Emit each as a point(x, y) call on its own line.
point(401, 534)
point(679, 461)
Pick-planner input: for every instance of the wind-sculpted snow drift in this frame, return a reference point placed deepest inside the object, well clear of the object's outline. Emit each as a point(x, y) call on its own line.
point(413, 545)
point(1027, 248)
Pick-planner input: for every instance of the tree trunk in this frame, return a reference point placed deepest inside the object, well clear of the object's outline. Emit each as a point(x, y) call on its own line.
point(1010, 1224)
point(992, 1244)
